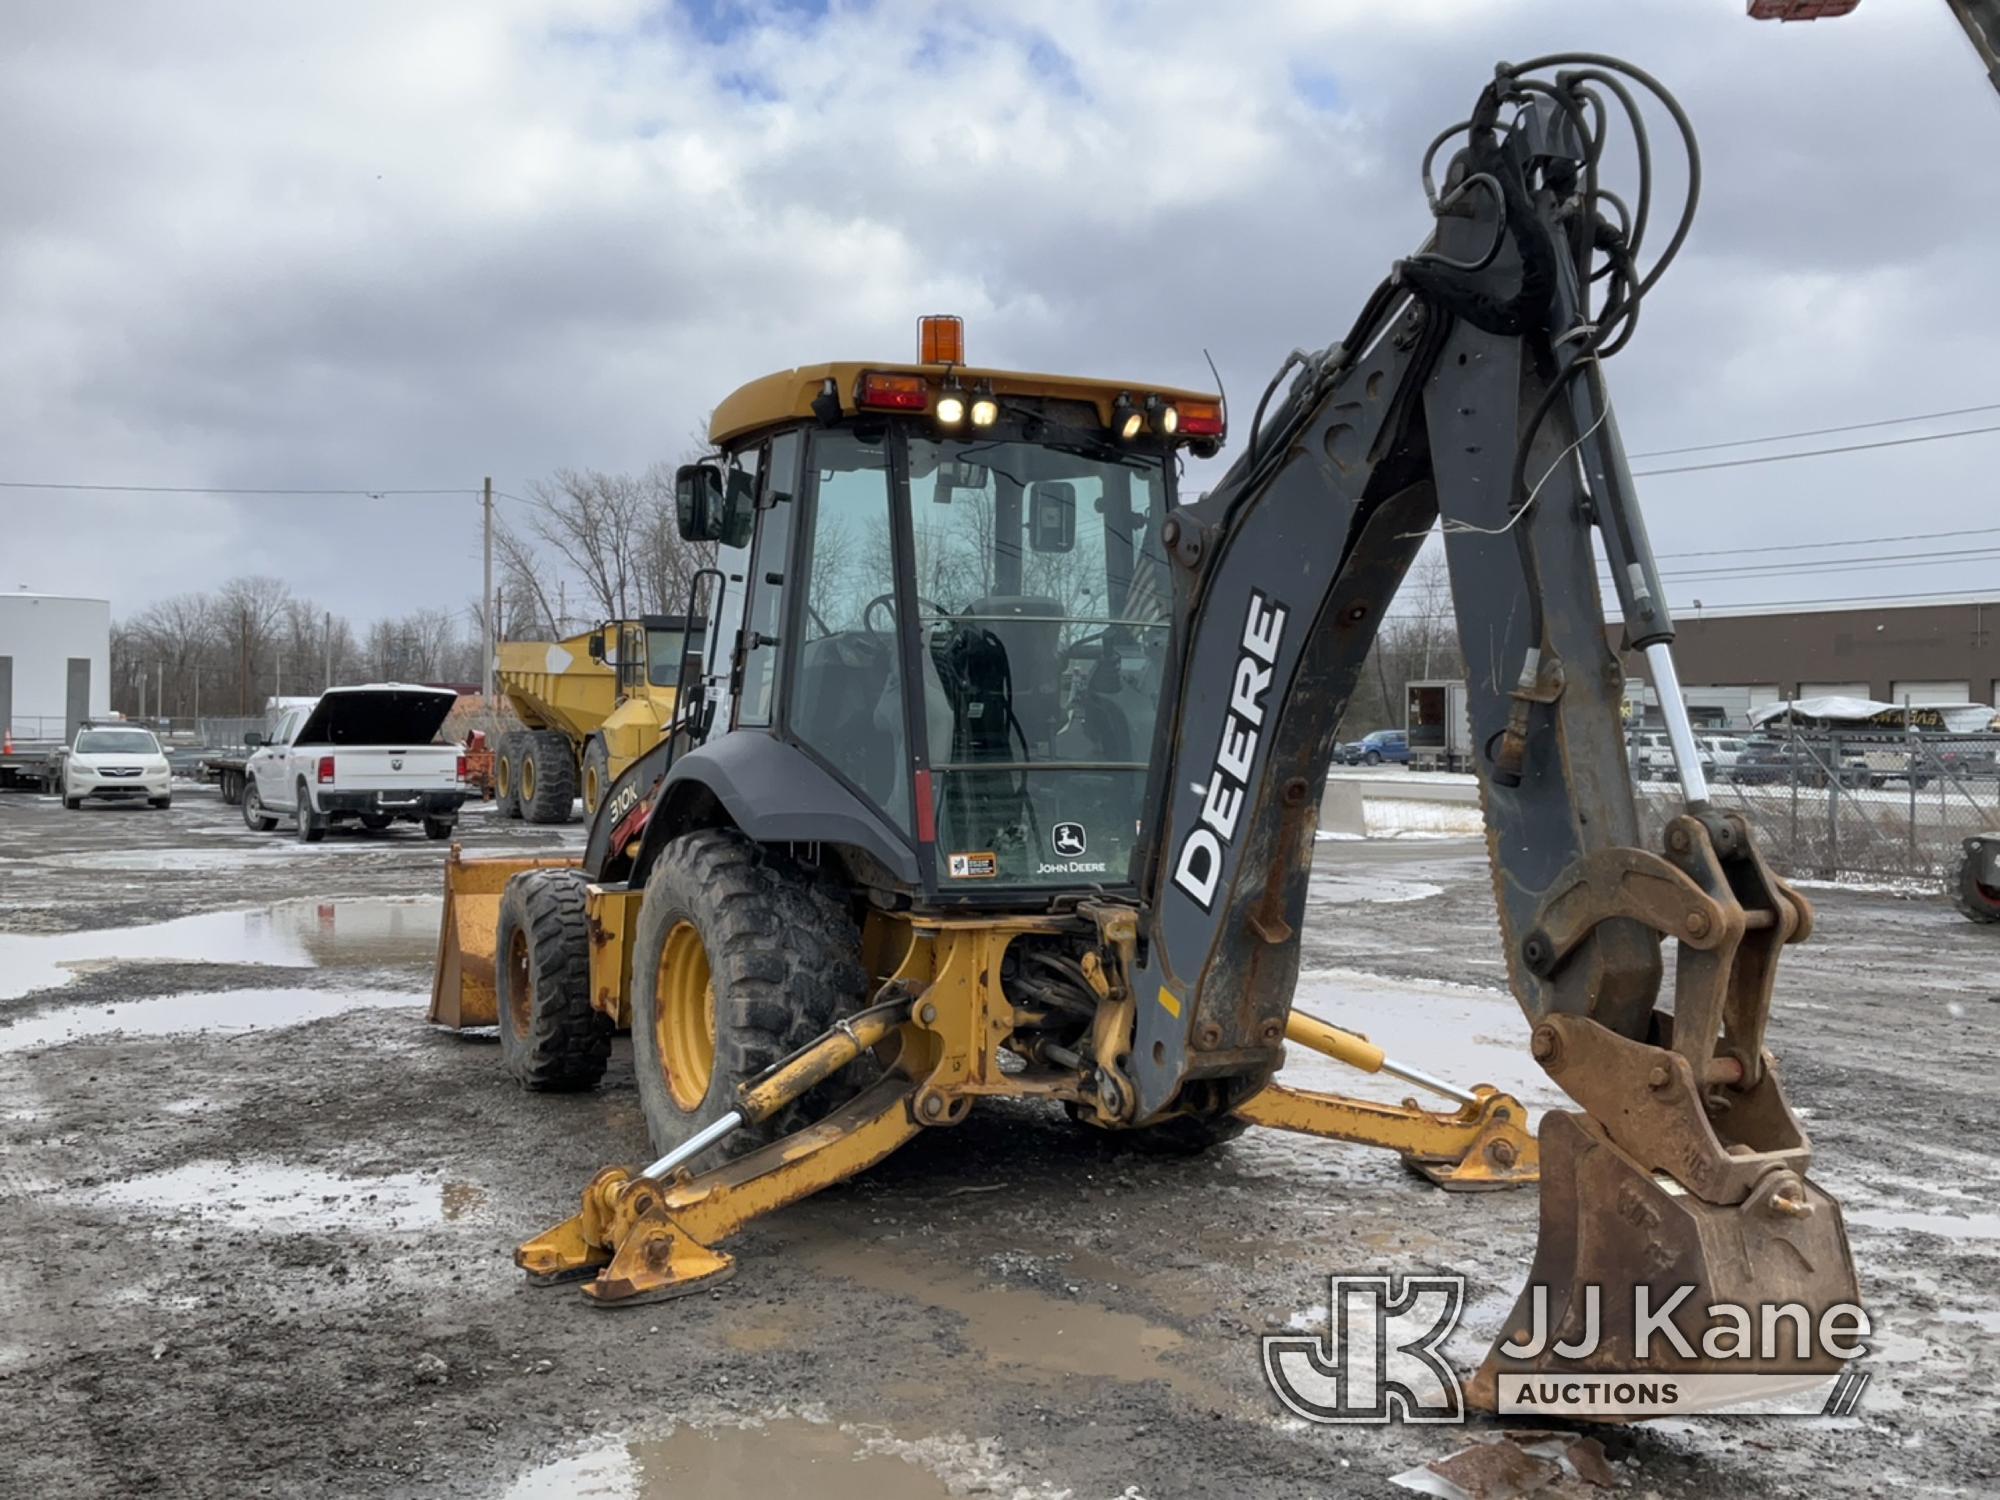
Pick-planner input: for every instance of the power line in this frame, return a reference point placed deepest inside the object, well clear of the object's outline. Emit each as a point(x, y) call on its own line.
point(1778, 458)
point(1936, 596)
point(1786, 437)
point(1859, 541)
point(203, 489)
point(1828, 565)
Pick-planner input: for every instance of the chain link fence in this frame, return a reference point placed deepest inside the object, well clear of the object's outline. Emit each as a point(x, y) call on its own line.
point(1886, 805)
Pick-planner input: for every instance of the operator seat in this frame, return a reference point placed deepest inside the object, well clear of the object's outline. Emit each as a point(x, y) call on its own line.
point(1029, 629)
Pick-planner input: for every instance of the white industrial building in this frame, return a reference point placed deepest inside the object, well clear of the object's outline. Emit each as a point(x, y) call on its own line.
point(55, 664)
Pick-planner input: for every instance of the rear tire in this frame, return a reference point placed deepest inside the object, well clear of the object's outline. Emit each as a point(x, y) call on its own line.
point(779, 959)
point(312, 826)
point(1978, 903)
point(254, 816)
point(507, 774)
point(551, 1040)
point(596, 775)
point(548, 778)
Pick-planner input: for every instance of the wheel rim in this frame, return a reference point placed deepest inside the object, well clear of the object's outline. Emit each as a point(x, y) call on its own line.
point(527, 779)
point(590, 789)
point(520, 984)
point(684, 1016)
point(503, 778)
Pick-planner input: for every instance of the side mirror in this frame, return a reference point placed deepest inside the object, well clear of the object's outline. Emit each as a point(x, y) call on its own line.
point(252, 738)
point(595, 645)
point(698, 502)
point(1052, 516)
point(955, 475)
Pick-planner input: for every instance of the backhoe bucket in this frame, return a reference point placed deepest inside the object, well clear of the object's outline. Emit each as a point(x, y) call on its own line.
point(463, 993)
point(1638, 1238)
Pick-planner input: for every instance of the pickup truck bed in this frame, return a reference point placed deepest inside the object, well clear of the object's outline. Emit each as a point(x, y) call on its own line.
point(358, 754)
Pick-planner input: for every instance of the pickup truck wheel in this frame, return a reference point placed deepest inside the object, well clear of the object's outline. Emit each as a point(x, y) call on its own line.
point(738, 960)
point(551, 1039)
point(375, 822)
point(548, 778)
point(312, 827)
point(507, 775)
point(596, 775)
point(254, 816)
point(439, 828)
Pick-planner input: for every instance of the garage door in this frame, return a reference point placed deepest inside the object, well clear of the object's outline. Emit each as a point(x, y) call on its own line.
point(1833, 690)
point(1920, 693)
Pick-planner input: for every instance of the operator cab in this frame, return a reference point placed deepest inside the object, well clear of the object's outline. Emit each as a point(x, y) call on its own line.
point(946, 586)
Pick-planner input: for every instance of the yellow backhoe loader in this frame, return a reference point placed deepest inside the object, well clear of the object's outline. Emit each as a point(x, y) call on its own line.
point(999, 778)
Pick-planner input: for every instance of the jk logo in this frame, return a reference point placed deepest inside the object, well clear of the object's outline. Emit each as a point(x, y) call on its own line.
point(1379, 1361)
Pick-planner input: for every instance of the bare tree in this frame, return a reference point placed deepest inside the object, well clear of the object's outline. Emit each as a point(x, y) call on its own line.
point(250, 609)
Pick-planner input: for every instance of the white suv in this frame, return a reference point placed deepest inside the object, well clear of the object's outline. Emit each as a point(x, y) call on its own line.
point(116, 763)
point(1653, 758)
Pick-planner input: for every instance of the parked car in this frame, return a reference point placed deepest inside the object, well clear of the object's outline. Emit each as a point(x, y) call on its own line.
point(116, 763)
point(1391, 745)
point(1653, 759)
point(1971, 763)
point(1722, 751)
point(369, 754)
point(1774, 762)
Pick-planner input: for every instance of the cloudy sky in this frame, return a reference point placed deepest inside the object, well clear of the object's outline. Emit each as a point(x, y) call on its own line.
point(393, 246)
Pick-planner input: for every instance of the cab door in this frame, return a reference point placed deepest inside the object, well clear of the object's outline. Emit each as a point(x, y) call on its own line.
point(271, 761)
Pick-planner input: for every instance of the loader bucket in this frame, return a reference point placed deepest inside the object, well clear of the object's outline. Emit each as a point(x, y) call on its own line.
point(462, 993)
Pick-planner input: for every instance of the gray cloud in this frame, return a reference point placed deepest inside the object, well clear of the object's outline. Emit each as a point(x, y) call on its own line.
point(376, 245)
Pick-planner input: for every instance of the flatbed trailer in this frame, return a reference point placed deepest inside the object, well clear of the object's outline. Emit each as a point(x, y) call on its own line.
point(31, 765)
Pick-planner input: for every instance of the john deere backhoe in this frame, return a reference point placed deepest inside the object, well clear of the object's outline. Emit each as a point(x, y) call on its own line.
point(1000, 777)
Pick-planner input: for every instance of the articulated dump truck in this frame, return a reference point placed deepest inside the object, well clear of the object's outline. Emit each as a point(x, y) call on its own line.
point(1003, 783)
point(591, 704)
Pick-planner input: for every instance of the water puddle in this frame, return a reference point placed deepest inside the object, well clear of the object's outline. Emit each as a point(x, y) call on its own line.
point(1462, 1036)
point(786, 1457)
point(1021, 1326)
point(1334, 886)
point(1950, 1226)
point(342, 933)
point(176, 1015)
point(274, 1197)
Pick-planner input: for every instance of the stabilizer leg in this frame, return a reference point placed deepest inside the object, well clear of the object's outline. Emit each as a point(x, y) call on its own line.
point(1483, 1145)
point(642, 1240)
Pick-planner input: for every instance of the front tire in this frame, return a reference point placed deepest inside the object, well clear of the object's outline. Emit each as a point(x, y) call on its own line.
point(74, 804)
point(161, 802)
point(507, 774)
point(1371, 759)
point(312, 826)
point(254, 816)
point(551, 1039)
point(738, 960)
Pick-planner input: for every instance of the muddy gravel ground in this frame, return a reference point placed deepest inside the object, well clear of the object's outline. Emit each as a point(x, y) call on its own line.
point(256, 1218)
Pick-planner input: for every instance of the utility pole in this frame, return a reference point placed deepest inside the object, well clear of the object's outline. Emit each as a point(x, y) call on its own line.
point(160, 689)
point(329, 651)
point(489, 633)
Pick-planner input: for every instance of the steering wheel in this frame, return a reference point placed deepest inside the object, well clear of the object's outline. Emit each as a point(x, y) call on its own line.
point(888, 601)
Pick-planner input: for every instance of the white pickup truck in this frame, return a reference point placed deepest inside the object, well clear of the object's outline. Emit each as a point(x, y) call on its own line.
point(367, 753)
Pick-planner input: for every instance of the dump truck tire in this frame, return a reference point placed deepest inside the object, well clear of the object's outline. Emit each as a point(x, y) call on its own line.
point(1979, 903)
point(736, 938)
point(596, 774)
point(547, 782)
point(551, 1040)
point(507, 775)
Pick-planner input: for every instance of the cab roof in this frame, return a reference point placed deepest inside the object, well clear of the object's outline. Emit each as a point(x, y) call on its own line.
point(788, 395)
